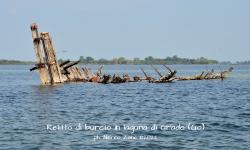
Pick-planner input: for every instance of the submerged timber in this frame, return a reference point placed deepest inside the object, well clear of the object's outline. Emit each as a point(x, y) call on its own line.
point(51, 72)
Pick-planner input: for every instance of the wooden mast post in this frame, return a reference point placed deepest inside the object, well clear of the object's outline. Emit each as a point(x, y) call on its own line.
point(53, 66)
point(39, 55)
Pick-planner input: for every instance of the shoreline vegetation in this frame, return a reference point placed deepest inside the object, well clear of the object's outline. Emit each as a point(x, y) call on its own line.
point(15, 62)
point(136, 61)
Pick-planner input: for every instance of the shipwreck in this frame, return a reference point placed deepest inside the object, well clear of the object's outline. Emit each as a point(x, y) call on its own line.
point(52, 72)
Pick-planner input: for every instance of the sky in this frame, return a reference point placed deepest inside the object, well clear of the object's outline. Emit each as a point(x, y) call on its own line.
point(215, 29)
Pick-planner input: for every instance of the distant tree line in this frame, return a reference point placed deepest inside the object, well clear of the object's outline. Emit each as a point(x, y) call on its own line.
point(14, 62)
point(243, 62)
point(148, 60)
point(122, 60)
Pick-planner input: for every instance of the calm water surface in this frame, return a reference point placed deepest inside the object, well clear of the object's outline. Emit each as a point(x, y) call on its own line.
point(26, 108)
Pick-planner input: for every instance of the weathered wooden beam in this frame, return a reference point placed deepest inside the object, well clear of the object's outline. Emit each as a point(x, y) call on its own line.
point(70, 65)
point(53, 66)
point(85, 73)
point(169, 69)
point(145, 74)
point(206, 75)
point(80, 75)
point(99, 70)
point(34, 68)
point(200, 76)
point(37, 66)
point(39, 55)
point(76, 76)
point(106, 79)
point(158, 72)
point(70, 75)
point(64, 63)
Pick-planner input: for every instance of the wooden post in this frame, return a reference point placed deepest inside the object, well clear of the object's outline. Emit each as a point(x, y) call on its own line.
point(39, 55)
point(53, 66)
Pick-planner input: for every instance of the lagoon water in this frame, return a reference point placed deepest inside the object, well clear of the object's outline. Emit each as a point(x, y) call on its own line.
point(223, 107)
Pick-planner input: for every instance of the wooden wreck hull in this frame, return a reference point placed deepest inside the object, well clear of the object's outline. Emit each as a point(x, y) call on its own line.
point(51, 72)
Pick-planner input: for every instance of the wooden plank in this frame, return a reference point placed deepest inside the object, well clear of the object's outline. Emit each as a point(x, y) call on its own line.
point(85, 73)
point(145, 74)
point(75, 73)
point(43, 72)
point(169, 69)
point(64, 76)
point(71, 75)
point(53, 66)
point(158, 72)
point(82, 73)
point(81, 77)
